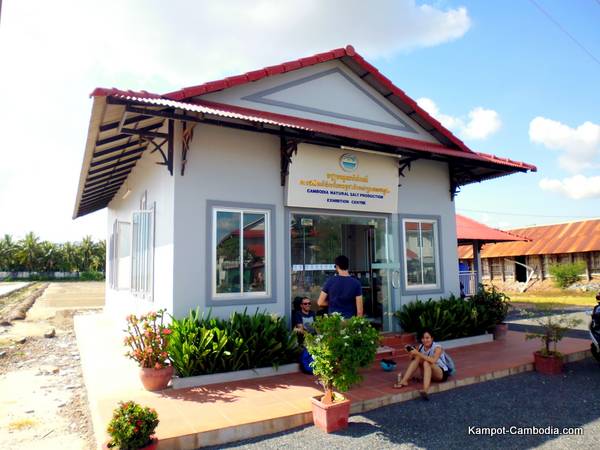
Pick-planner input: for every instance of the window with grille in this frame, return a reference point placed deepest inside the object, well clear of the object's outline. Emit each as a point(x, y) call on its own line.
point(142, 253)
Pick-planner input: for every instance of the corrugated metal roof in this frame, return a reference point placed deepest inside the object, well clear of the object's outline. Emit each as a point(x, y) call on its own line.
point(572, 237)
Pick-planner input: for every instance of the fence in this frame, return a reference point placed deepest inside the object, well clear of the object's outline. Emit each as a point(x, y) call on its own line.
point(47, 275)
point(468, 281)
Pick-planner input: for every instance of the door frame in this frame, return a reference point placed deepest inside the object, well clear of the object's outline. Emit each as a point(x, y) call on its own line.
point(391, 247)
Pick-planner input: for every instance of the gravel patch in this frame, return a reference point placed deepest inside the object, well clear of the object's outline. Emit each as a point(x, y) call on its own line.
point(49, 370)
point(524, 400)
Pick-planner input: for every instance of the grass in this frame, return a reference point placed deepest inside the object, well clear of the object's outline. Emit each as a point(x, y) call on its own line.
point(555, 298)
point(21, 424)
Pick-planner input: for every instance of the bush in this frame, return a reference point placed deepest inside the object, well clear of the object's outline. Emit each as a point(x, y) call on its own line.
point(449, 318)
point(339, 349)
point(566, 274)
point(491, 304)
point(91, 276)
point(132, 426)
point(202, 345)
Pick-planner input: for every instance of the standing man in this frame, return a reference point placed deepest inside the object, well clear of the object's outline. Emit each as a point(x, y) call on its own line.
point(342, 293)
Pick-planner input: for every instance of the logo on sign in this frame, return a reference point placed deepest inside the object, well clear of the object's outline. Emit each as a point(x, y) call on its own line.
point(348, 162)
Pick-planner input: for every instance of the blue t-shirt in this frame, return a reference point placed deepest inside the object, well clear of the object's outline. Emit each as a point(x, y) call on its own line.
point(341, 295)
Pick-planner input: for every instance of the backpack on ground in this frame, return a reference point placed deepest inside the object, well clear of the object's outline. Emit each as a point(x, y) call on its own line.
point(305, 360)
point(450, 363)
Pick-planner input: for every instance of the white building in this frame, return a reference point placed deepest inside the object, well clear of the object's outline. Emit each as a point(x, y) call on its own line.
point(240, 192)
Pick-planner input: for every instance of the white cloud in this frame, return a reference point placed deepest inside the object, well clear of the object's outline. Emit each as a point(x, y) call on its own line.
point(480, 123)
point(576, 187)
point(579, 147)
point(55, 52)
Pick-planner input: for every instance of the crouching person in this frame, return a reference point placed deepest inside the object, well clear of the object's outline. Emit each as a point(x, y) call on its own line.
point(430, 359)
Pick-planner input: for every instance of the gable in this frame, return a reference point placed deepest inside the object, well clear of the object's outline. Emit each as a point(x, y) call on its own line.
point(327, 92)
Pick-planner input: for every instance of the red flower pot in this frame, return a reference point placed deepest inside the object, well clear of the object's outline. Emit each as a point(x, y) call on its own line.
point(151, 446)
point(500, 331)
point(330, 417)
point(549, 365)
point(156, 379)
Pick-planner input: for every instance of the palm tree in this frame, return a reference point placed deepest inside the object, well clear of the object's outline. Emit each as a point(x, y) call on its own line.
point(29, 251)
point(86, 251)
point(99, 258)
point(50, 256)
point(8, 253)
point(70, 257)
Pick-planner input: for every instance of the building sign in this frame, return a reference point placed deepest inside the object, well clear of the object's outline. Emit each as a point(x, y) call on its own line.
point(328, 178)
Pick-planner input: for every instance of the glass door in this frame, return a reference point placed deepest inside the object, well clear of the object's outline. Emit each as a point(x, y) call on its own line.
point(316, 239)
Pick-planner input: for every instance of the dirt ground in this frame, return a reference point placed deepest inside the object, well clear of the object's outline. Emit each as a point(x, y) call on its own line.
point(43, 402)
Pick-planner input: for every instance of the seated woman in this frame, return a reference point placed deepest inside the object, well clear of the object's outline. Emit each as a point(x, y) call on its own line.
point(431, 359)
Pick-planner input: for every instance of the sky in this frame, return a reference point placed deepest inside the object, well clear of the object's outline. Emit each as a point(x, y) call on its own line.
point(517, 78)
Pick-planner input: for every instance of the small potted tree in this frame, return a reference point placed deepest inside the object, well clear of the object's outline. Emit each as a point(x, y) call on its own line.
point(552, 329)
point(132, 427)
point(339, 349)
point(148, 339)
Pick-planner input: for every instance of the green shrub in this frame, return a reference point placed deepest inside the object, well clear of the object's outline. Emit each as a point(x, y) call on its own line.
point(449, 318)
point(566, 274)
point(131, 426)
point(202, 345)
point(91, 276)
point(339, 349)
point(492, 305)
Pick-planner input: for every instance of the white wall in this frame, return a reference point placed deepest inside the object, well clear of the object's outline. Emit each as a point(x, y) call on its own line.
point(156, 180)
point(225, 165)
point(425, 190)
point(238, 166)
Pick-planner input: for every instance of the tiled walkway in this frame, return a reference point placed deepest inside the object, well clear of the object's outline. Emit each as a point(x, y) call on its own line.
point(211, 415)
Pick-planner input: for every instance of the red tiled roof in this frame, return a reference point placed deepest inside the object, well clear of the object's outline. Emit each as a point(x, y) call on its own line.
point(468, 229)
point(356, 133)
point(256, 115)
point(348, 51)
point(91, 196)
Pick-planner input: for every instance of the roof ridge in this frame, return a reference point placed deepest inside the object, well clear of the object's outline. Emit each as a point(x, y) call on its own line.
point(255, 75)
point(558, 223)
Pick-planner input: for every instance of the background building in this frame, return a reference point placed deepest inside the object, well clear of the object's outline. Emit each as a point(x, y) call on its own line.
point(545, 245)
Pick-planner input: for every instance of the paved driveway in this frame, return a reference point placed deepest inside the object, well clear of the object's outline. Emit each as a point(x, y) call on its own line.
point(523, 400)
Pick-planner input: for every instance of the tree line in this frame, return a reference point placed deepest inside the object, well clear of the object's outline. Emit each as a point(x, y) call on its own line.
point(30, 254)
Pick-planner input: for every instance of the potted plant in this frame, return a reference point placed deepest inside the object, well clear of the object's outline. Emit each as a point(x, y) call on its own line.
point(552, 329)
point(148, 339)
point(493, 307)
point(339, 349)
point(132, 427)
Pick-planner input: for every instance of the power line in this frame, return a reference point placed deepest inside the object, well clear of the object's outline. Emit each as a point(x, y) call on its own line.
point(526, 215)
point(555, 22)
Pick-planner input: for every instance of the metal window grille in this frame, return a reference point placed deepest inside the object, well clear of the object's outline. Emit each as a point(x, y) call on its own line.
point(142, 253)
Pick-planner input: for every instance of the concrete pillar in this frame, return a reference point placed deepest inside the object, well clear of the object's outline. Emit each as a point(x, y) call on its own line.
point(477, 261)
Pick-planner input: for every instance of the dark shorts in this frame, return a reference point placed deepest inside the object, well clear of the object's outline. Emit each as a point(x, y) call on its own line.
point(445, 375)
